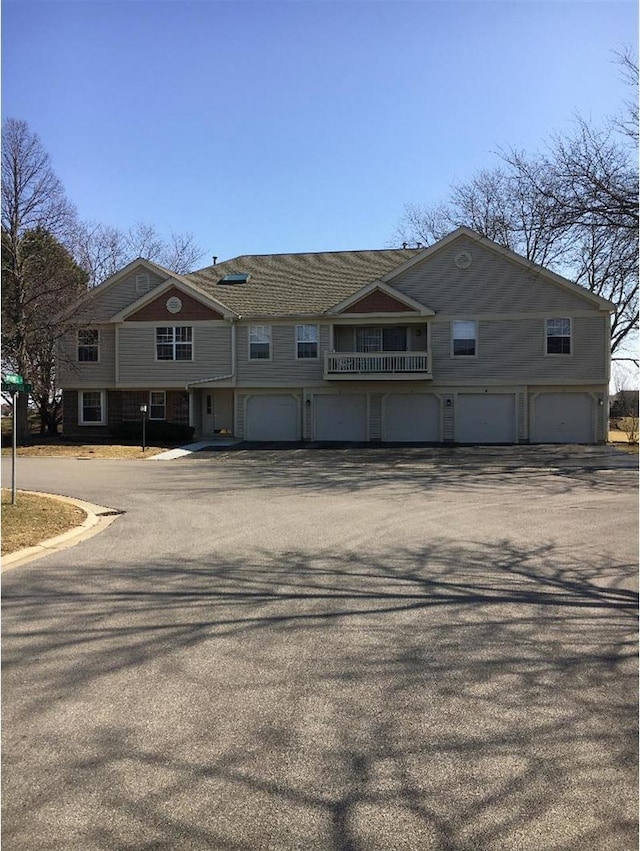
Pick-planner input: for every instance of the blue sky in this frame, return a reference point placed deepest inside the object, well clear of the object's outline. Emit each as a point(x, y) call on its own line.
point(300, 126)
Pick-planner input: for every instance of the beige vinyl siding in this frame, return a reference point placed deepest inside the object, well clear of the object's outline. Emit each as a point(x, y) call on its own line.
point(448, 420)
point(521, 401)
point(282, 368)
point(375, 416)
point(88, 374)
point(492, 284)
point(241, 399)
point(513, 351)
point(103, 306)
point(307, 417)
point(138, 365)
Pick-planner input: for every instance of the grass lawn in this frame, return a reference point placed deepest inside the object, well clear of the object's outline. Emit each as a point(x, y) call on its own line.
point(84, 450)
point(619, 431)
point(35, 519)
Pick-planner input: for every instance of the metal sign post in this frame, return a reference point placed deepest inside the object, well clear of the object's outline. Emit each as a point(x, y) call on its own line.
point(14, 384)
point(14, 401)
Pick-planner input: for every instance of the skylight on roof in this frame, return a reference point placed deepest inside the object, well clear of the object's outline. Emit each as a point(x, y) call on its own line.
point(241, 278)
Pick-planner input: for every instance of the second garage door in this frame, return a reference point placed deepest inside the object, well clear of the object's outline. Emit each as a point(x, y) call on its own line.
point(562, 418)
point(411, 417)
point(341, 417)
point(485, 418)
point(273, 417)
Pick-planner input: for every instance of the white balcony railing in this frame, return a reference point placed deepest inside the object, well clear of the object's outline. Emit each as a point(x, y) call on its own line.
point(377, 364)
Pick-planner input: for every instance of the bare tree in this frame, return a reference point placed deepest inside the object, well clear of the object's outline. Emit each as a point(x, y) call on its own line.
point(627, 123)
point(497, 204)
point(49, 279)
point(587, 179)
point(102, 250)
point(572, 208)
point(181, 253)
point(624, 407)
point(99, 250)
point(33, 201)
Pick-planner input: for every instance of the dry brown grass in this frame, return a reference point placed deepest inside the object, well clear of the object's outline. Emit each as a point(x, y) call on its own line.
point(35, 519)
point(620, 440)
point(84, 450)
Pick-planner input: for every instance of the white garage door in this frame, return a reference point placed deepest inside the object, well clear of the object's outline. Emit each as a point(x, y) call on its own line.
point(562, 418)
point(272, 418)
point(409, 417)
point(485, 418)
point(340, 418)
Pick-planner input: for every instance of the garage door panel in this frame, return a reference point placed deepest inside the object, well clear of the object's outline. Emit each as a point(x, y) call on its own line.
point(273, 417)
point(411, 417)
point(486, 418)
point(340, 417)
point(562, 418)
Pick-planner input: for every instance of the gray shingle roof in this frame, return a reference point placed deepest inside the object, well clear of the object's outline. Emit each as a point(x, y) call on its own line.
point(295, 284)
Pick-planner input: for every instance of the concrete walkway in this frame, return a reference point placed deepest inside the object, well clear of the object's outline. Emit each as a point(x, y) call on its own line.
point(190, 448)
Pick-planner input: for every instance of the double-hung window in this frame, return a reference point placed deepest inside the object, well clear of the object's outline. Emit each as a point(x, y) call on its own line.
point(464, 338)
point(174, 343)
point(558, 333)
point(88, 345)
point(306, 341)
point(259, 342)
point(91, 407)
point(157, 405)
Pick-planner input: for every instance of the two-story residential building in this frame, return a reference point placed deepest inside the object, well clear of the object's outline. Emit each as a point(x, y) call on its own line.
point(461, 342)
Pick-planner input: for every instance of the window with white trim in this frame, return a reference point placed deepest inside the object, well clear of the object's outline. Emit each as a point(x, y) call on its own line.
point(91, 407)
point(259, 342)
point(88, 345)
point(174, 343)
point(157, 405)
point(306, 341)
point(464, 337)
point(558, 332)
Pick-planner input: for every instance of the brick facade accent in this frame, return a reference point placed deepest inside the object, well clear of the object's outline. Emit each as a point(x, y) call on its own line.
point(156, 310)
point(122, 406)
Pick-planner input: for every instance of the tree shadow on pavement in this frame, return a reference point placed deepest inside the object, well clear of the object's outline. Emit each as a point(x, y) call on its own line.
point(466, 696)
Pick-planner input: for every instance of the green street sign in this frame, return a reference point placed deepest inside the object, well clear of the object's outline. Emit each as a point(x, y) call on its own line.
point(12, 378)
point(16, 388)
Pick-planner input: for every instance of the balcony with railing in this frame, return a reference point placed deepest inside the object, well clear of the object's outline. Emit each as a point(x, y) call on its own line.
point(378, 366)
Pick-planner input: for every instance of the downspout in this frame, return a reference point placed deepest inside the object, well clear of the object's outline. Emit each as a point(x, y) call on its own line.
point(117, 354)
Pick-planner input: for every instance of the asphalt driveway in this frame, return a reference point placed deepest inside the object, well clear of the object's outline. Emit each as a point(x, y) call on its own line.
point(341, 650)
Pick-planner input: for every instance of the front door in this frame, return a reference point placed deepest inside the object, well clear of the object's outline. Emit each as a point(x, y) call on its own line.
point(207, 413)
